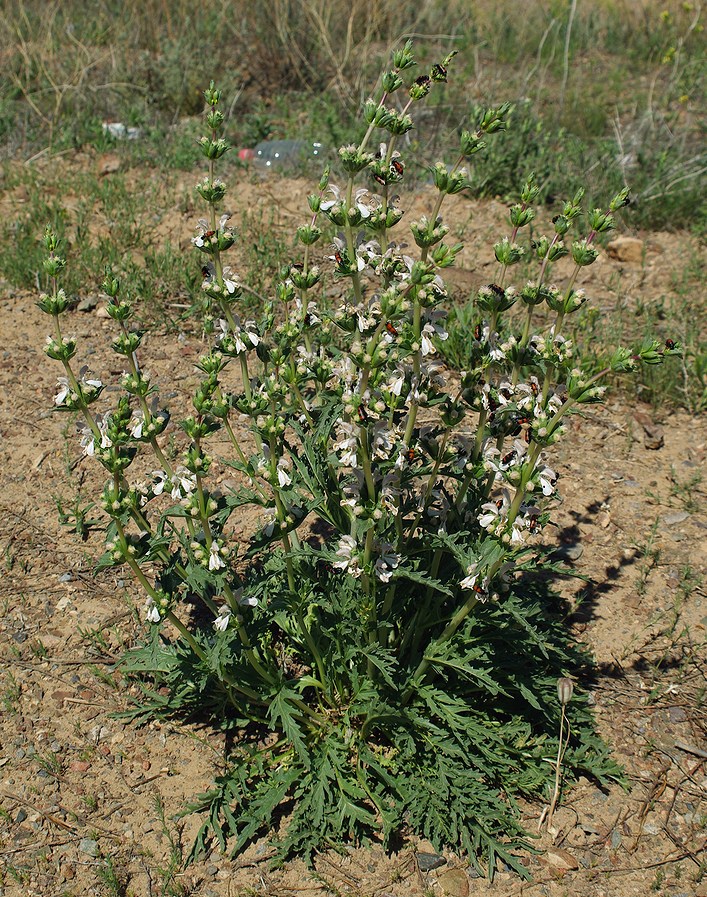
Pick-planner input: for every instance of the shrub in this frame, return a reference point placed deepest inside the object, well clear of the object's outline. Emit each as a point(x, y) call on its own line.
point(384, 647)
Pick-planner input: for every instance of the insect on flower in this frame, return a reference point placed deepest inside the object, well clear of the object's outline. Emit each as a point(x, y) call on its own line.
point(397, 167)
point(507, 459)
point(209, 234)
point(477, 333)
point(391, 330)
point(410, 455)
point(497, 290)
point(362, 414)
point(669, 344)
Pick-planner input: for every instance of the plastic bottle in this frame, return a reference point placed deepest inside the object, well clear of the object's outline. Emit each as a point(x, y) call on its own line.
point(269, 153)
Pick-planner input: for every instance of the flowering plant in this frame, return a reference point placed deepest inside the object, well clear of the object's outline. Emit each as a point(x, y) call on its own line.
point(380, 644)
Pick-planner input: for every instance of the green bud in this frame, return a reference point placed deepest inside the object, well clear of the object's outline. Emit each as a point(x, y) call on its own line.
point(651, 352)
point(444, 256)
point(600, 221)
point(471, 143)
point(403, 58)
point(420, 87)
point(426, 234)
point(54, 265)
point(60, 351)
point(508, 253)
point(620, 200)
point(308, 234)
point(583, 253)
point(557, 251)
point(622, 360)
point(398, 124)
point(521, 216)
point(212, 95)
point(55, 304)
point(324, 179)
point(50, 239)
point(391, 82)
point(127, 343)
point(494, 119)
point(352, 160)
point(530, 190)
point(214, 149)
point(214, 119)
point(562, 224)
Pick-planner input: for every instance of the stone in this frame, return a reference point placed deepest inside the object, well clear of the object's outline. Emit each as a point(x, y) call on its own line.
point(87, 304)
point(626, 249)
point(677, 517)
point(89, 847)
point(428, 861)
point(561, 859)
point(454, 883)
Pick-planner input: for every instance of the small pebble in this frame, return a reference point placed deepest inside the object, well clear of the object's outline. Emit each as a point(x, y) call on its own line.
point(429, 861)
point(89, 847)
point(678, 517)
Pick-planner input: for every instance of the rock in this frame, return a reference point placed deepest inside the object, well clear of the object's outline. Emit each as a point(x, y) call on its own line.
point(568, 552)
point(454, 883)
point(89, 847)
point(561, 859)
point(626, 249)
point(653, 433)
point(108, 163)
point(428, 861)
point(677, 517)
point(87, 304)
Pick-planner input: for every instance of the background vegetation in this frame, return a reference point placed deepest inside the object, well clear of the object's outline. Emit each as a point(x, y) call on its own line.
point(609, 89)
point(605, 93)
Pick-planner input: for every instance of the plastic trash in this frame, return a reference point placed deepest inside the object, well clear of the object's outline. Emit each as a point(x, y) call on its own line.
point(269, 153)
point(120, 131)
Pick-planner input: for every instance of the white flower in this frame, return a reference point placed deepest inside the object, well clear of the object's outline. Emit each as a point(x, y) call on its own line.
point(160, 482)
point(64, 390)
point(137, 422)
point(386, 563)
point(224, 617)
point(335, 194)
point(244, 602)
point(215, 559)
point(347, 560)
point(283, 476)
point(547, 478)
point(346, 445)
point(270, 515)
point(88, 440)
point(183, 483)
point(152, 614)
point(471, 582)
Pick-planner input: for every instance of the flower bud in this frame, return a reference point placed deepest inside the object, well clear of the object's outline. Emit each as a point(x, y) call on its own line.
point(565, 689)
